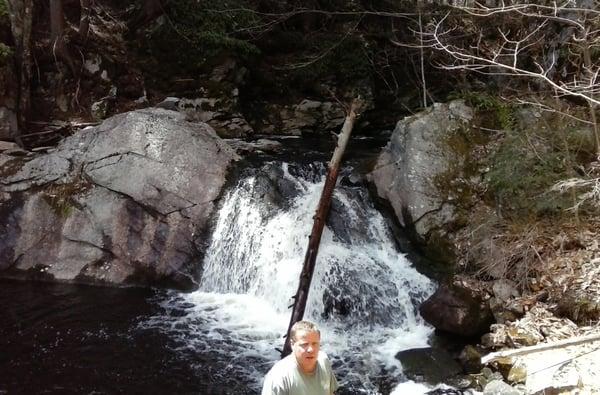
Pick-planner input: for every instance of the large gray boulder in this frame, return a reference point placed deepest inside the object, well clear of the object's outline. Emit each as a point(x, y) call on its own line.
point(418, 170)
point(126, 202)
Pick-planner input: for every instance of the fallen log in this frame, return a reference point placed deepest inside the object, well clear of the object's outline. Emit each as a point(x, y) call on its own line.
point(310, 258)
point(540, 347)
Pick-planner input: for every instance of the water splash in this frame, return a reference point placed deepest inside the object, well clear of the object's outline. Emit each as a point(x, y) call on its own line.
point(364, 292)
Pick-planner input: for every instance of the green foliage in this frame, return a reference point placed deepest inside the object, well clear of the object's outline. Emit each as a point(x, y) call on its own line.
point(527, 165)
point(196, 31)
point(4, 19)
point(501, 111)
point(5, 53)
point(3, 9)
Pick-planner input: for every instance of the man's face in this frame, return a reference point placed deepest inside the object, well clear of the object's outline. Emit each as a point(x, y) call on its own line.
point(306, 349)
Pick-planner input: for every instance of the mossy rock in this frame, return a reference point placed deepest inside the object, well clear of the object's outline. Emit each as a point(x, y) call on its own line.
point(61, 197)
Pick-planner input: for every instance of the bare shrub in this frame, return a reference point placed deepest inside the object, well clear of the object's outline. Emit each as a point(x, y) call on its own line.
point(587, 188)
point(502, 249)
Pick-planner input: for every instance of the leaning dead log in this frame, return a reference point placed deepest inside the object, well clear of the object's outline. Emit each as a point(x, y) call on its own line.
point(310, 258)
point(540, 347)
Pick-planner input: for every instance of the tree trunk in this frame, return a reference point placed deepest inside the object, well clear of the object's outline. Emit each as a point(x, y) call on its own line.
point(319, 222)
point(21, 17)
point(84, 20)
point(57, 35)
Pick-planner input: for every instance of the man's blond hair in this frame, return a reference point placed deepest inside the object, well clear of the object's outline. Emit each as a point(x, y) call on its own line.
point(303, 326)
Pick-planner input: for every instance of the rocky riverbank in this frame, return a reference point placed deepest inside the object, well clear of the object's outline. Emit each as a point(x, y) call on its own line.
point(511, 288)
point(435, 173)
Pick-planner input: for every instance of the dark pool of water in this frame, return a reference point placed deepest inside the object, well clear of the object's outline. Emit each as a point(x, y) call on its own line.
point(57, 338)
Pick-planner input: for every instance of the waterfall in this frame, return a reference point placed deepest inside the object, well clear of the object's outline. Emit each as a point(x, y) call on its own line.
point(364, 294)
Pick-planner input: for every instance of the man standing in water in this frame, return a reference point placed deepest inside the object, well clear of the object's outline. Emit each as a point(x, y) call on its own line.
point(306, 371)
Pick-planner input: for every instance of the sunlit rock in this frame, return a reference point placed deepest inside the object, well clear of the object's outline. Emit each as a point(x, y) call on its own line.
point(123, 203)
point(419, 170)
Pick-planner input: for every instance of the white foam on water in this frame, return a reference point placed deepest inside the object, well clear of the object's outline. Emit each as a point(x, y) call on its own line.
point(412, 388)
point(251, 271)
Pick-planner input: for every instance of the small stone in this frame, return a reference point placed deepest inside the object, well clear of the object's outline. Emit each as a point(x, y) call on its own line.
point(503, 365)
point(141, 100)
point(515, 308)
point(490, 375)
point(498, 387)
point(518, 372)
point(93, 65)
point(524, 336)
point(470, 359)
point(170, 103)
point(496, 338)
point(486, 372)
point(99, 109)
point(505, 289)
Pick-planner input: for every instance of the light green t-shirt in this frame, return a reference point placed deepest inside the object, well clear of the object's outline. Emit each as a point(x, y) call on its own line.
point(286, 378)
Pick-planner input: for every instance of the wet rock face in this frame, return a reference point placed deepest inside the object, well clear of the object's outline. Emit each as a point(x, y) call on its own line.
point(460, 308)
point(432, 365)
point(275, 188)
point(359, 302)
point(123, 203)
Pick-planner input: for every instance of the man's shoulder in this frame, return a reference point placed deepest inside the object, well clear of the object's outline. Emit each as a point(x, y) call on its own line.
point(323, 359)
point(285, 365)
point(280, 377)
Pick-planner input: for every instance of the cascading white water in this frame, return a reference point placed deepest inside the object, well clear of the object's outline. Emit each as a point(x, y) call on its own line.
point(363, 295)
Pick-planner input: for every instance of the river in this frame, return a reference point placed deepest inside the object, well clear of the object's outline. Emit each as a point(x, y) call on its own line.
point(222, 338)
